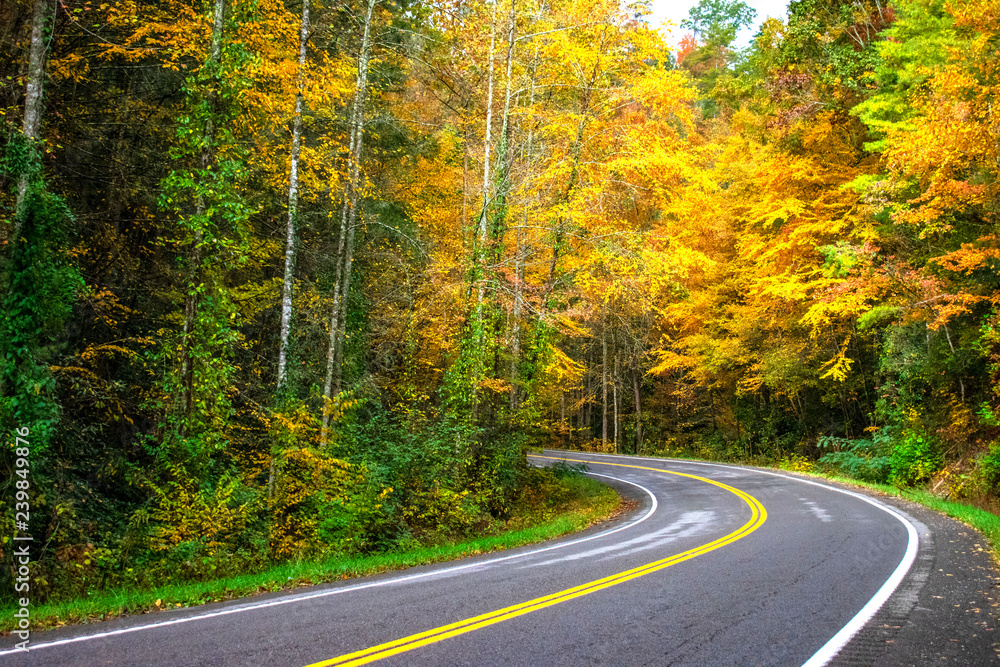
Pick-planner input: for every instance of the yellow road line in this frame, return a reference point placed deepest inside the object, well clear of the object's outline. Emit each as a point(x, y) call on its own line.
point(757, 517)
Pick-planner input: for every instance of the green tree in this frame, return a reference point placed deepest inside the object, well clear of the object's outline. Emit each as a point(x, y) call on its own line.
point(718, 21)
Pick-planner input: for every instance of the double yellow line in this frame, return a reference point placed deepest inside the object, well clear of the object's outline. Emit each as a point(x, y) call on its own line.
point(757, 517)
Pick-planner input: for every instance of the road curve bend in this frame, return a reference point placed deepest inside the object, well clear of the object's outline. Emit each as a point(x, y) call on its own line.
point(720, 565)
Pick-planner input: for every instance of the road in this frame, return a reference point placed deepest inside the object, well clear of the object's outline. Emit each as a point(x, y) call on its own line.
point(719, 565)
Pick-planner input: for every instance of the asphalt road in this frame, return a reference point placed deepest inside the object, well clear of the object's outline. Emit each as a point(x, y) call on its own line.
point(718, 566)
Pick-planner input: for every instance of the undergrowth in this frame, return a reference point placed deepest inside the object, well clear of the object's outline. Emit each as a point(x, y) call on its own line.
point(555, 502)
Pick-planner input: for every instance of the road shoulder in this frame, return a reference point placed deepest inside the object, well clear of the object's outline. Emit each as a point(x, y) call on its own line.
point(946, 610)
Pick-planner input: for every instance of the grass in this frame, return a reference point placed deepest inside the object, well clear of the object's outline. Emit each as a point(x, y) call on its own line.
point(584, 502)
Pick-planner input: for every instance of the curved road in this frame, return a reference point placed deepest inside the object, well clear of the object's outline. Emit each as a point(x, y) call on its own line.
point(720, 565)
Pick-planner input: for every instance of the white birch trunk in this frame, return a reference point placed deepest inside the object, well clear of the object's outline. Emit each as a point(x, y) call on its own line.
point(293, 205)
point(518, 259)
point(348, 219)
point(484, 214)
point(32, 98)
point(479, 256)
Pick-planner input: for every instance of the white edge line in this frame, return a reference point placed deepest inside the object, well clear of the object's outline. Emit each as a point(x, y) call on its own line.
point(829, 650)
point(347, 589)
point(839, 640)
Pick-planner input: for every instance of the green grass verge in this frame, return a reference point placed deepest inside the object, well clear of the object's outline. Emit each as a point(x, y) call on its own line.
point(587, 502)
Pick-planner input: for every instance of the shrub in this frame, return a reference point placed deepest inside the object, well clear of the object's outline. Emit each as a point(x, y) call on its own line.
point(915, 457)
point(321, 504)
point(860, 459)
point(988, 467)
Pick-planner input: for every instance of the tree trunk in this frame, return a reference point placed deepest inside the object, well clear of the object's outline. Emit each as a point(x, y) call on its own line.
point(484, 214)
point(351, 206)
point(614, 388)
point(348, 219)
point(519, 244)
point(464, 118)
point(604, 387)
point(479, 242)
point(961, 383)
point(515, 334)
point(33, 98)
point(638, 411)
point(293, 205)
point(711, 407)
point(41, 15)
point(587, 410)
point(578, 414)
point(270, 478)
point(344, 293)
point(562, 417)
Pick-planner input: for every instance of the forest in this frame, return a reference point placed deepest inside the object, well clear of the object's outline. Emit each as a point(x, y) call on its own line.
point(285, 278)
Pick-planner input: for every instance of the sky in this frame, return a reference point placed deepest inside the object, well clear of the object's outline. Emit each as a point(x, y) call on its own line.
point(677, 10)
